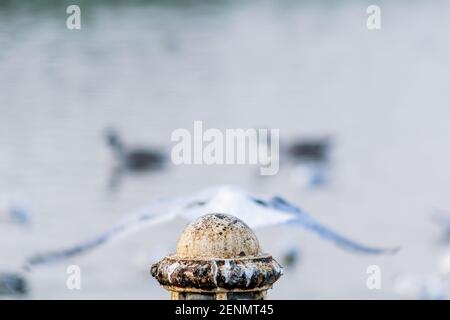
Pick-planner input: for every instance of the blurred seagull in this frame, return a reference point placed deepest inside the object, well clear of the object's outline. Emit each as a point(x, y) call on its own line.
point(255, 211)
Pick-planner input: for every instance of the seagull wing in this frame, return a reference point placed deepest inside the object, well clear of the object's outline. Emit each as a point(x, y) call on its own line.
point(305, 220)
point(160, 211)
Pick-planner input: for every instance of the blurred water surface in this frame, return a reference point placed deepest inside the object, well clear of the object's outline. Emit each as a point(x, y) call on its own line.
point(151, 67)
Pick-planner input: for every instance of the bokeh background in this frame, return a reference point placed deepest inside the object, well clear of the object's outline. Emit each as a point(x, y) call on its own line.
point(149, 67)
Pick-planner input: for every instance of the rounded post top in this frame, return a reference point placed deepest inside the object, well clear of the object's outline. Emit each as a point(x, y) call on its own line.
point(218, 236)
point(217, 253)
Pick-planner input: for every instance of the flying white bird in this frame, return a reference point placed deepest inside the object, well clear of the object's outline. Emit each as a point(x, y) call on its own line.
point(255, 211)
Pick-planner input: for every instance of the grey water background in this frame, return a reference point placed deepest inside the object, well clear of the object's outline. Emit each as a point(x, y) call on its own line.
point(308, 68)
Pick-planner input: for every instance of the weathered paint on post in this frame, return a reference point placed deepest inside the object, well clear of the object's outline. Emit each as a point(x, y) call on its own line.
point(218, 257)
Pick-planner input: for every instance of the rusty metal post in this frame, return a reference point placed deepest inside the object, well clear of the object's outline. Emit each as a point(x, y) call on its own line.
point(217, 258)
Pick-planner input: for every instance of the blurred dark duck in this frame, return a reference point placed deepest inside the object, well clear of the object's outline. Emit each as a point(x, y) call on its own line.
point(291, 257)
point(310, 150)
point(12, 284)
point(135, 159)
point(311, 161)
point(308, 159)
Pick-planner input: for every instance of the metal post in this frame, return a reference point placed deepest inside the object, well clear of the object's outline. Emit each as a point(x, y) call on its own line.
point(217, 258)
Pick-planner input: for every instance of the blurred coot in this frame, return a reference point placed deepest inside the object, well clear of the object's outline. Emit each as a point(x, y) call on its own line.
point(13, 284)
point(134, 159)
point(313, 150)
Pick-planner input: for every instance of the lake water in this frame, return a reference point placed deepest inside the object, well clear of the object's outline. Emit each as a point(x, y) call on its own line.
point(148, 68)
